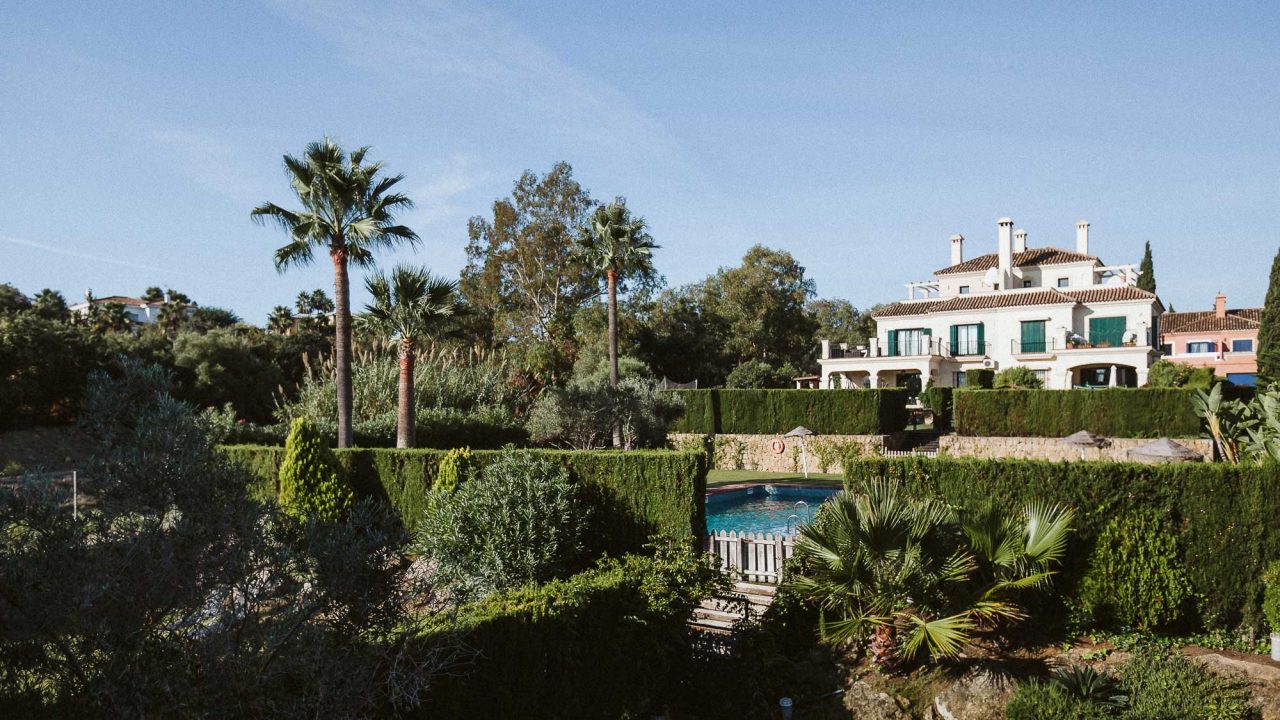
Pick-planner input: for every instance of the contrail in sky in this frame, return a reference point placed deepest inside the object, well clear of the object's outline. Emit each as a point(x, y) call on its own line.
point(83, 256)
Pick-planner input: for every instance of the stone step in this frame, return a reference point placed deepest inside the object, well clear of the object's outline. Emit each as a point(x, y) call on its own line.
point(743, 587)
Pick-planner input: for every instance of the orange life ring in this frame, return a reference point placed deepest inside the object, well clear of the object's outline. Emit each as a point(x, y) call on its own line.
point(777, 445)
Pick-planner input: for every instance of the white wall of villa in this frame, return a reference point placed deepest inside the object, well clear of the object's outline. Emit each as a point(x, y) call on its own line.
point(1061, 313)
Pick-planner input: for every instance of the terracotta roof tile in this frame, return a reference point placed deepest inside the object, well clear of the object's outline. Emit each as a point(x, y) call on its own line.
point(1110, 293)
point(1208, 321)
point(915, 307)
point(1032, 256)
point(1016, 298)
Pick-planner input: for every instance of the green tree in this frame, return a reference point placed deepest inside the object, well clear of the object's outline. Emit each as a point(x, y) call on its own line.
point(311, 482)
point(1147, 271)
point(1018, 376)
point(616, 245)
point(913, 574)
point(280, 321)
point(51, 305)
point(1269, 331)
point(409, 306)
point(226, 366)
point(348, 209)
point(12, 300)
point(838, 321)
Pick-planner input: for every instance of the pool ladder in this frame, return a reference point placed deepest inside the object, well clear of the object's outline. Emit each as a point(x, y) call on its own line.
point(793, 520)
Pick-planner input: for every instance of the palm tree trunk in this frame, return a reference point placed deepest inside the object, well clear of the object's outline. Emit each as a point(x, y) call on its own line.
point(406, 422)
point(342, 347)
point(612, 277)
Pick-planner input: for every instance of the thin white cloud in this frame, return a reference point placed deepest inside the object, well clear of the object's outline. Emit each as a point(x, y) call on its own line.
point(66, 252)
point(213, 163)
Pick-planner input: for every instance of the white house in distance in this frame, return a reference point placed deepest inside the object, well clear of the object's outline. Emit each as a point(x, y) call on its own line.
point(1064, 314)
point(140, 312)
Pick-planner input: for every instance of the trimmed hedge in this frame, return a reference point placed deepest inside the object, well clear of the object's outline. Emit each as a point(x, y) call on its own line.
point(1110, 412)
point(595, 645)
point(979, 379)
point(1223, 515)
point(768, 412)
point(940, 400)
point(635, 494)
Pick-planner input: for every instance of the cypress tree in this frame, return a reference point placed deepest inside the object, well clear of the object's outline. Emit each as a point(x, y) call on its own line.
point(1269, 332)
point(1147, 278)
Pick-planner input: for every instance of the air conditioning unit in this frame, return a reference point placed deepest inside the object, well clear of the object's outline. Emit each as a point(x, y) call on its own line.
point(989, 364)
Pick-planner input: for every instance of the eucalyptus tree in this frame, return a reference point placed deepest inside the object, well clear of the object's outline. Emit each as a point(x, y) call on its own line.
point(614, 243)
point(409, 306)
point(349, 209)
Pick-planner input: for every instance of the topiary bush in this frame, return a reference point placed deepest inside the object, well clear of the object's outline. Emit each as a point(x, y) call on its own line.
point(979, 379)
point(455, 467)
point(311, 482)
point(520, 520)
point(1135, 577)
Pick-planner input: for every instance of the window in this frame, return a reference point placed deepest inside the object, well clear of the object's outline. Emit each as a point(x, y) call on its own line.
point(959, 379)
point(1043, 375)
point(966, 339)
point(914, 341)
point(1202, 347)
point(1166, 349)
point(1243, 345)
point(1026, 283)
point(1064, 282)
point(964, 289)
point(1032, 337)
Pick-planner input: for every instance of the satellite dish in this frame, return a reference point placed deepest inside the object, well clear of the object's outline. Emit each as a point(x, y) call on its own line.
point(990, 278)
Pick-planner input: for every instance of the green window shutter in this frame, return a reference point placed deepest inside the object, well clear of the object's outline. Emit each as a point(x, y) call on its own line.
point(1106, 330)
point(982, 338)
point(1033, 336)
point(893, 343)
point(955, 339)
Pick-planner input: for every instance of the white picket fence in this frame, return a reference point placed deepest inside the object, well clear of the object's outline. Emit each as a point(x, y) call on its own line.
point(754, 557)
point(910, 453)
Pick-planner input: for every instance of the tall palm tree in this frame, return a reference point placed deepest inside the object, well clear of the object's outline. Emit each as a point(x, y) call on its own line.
point(348, 209)
point(615, 244)
point(409, 306)
point(913, 574)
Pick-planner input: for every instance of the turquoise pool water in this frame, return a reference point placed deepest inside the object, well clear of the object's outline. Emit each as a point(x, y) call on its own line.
point(764, 508)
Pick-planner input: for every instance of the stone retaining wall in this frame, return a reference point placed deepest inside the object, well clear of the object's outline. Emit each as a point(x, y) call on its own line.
point(1040, 448)
point(757, 452)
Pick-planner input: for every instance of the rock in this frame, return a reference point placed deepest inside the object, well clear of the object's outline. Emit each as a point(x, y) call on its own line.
point(865, 702)
point(979, 695)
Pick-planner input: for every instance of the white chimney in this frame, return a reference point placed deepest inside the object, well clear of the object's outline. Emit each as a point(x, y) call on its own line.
point(1020, 241)
point(1082, 237)
point(957, 249)
point(1006, 251)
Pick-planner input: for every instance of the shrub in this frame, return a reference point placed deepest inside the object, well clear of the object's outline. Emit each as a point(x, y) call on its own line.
point(939, 400)
point(1222, 515)
point(1135, 576)
point(1164, 685)
point(1037, 700)
point(768, 412)
point(520, 520)
point(979, 379)
point(1169, 374)
point(455, 467)
point(1017, 377)
point(608, 642)
point(759, 375)
point(1110, 412)
point(1271, 596)
point(311, 483)
point(583, 416)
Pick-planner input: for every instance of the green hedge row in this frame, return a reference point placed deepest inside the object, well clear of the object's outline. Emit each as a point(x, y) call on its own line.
point(635, 494)
point(941, 401)
point(594, 645)
point(1224, 515)
point(1110, 412)
point(768, 412)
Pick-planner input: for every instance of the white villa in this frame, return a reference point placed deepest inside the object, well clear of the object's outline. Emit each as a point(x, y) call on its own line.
point(139, 311)
point(1064, 314)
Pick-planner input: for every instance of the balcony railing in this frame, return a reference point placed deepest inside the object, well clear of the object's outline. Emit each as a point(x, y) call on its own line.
point(966, 349)
point(1056, 344)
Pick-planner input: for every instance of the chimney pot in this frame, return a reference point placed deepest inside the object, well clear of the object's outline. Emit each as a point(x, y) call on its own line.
point(1020, 241)
point(957, 249)
point(1006, 251)
point(1082, 237)
point(1220, 305)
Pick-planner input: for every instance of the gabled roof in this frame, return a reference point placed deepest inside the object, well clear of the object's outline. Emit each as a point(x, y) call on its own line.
point(1017, 298)
point(1031, 256)
point(122, 299)
point(1208, 321)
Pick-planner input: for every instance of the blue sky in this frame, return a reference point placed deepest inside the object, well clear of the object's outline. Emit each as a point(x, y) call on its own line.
point(136, 137)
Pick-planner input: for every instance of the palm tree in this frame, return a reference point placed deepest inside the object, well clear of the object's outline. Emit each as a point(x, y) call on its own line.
point(914, 574)
point(615, 244)
point(408, 306)
point(280, 321)
point(348, 209)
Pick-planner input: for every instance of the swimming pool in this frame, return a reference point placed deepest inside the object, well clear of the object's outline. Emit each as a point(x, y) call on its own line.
point(764, 508)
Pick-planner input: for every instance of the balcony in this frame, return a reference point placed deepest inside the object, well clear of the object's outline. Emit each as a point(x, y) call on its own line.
point(1130, 339)
point(966, 350)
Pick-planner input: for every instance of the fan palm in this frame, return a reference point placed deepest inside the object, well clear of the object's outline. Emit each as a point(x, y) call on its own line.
point(408, 306)
point(615, 243)
point(280, 321)
point(348, 209)
point(914, 574)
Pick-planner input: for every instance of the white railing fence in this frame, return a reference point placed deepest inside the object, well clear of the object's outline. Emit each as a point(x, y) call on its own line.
point(754, 557)
point(910, 453)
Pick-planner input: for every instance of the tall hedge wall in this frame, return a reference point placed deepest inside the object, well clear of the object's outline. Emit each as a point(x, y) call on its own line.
point(1224, 515)
point(1110, 412)
point(635, 494)
point(589, 646)
point(768, 412)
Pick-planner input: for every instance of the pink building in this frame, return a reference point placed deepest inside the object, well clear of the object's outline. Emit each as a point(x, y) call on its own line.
point(1223, 339)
